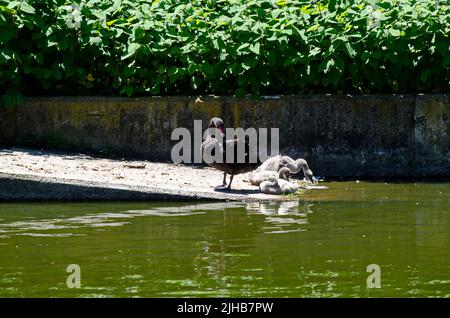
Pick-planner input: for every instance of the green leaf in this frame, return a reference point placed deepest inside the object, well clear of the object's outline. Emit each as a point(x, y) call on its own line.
point(47, 73)
point(132, 48)
point(12, 97)
point(329, 65)
point(155, 89)
point(350, 49)
point(243, 47)
point(207, 68)
point(7, 35)
point(7, 10)
point(192, 68)
point(425, 75)
point(255, 48)
point(314, 28)
point(246, 65)
point(240, 92)
point(196, 82)
point(128, 90)
point(25, 7)
point(112, 22)
point(379, 15)
point(172, 71)
point(394, 32)
point(14, 4)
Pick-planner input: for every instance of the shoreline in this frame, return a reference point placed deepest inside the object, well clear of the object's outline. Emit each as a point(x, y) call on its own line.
point(41, 175)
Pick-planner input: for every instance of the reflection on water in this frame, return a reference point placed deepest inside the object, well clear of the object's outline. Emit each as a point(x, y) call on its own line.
point(314, 247)
point(284, 217)
point(276, 213)
point(92, 220)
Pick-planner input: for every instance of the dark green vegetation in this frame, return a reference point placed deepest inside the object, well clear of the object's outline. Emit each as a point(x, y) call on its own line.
point(171, 47)
point(319, 247)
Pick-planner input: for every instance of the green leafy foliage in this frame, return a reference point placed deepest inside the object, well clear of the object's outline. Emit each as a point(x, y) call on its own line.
point(180, 47)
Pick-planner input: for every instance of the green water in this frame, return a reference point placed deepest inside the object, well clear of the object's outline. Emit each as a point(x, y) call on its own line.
point(319, 246)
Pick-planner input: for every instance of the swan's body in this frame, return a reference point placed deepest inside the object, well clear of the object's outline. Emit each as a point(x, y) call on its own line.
point(277, 186)
point(211, 144)
point(272, 166)
point(294, 166)
point(256, 177)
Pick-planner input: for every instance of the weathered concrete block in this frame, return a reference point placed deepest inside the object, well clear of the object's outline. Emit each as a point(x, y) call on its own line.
point(7, 125)
point(339, 135)
point(432, 135)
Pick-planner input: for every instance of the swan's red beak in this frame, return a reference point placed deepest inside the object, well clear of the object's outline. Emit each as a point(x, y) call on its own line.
point(222, 130)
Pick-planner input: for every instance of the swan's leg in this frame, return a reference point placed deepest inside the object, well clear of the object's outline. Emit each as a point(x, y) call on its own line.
point(229, 184)
point(224, 183)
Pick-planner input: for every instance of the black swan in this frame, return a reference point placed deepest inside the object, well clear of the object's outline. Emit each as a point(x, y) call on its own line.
point(233, 168)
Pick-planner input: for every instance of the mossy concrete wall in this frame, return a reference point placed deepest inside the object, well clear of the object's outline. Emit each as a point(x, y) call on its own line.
point(339, 135)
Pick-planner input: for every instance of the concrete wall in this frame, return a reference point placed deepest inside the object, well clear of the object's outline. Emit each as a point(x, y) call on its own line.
point(339, 135)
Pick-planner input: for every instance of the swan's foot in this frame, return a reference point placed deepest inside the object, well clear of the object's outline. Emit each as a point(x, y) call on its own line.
point(224, 186)
point(221, 187)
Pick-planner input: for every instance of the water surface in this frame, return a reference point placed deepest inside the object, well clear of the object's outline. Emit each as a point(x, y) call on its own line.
point(318, 246)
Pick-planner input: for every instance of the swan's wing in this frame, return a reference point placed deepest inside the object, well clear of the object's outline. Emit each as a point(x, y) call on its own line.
point(209, 147)
point(271, 164)
point(236, 144)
